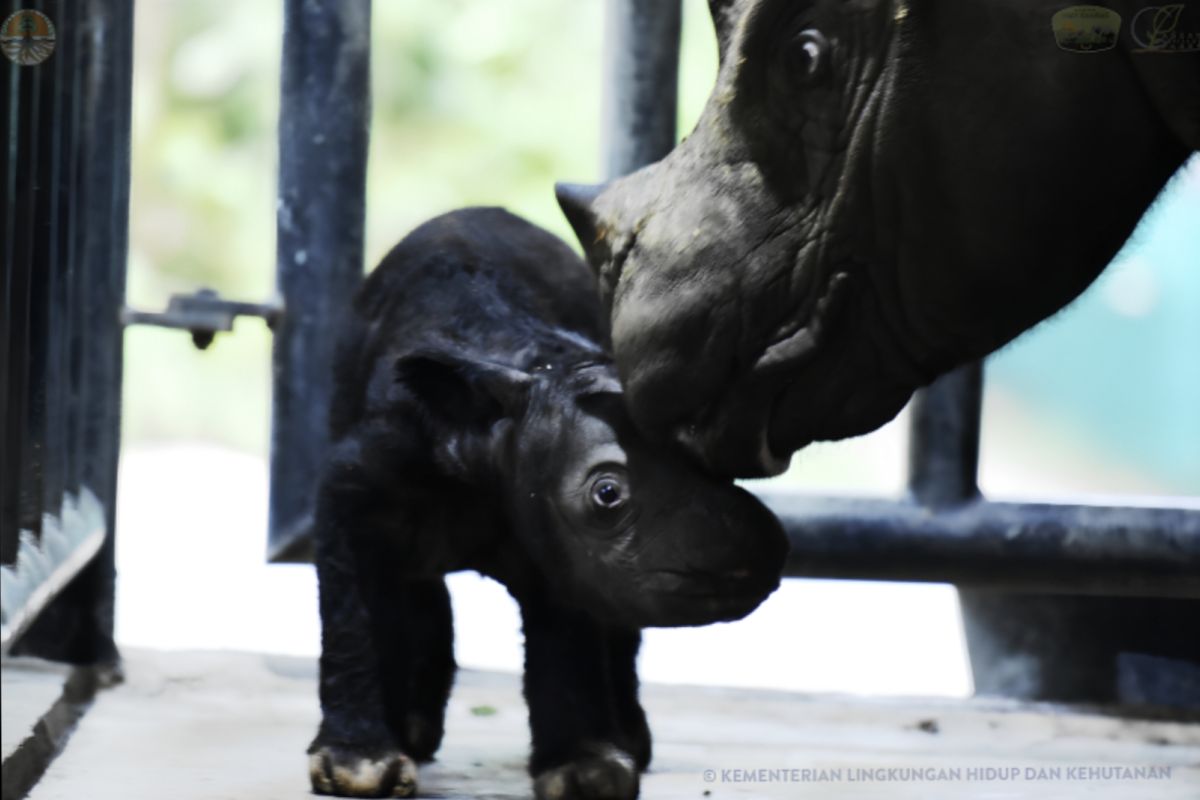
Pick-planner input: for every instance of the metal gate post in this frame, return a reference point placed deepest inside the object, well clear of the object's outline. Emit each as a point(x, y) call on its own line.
point(641, 79)
point(323, 120)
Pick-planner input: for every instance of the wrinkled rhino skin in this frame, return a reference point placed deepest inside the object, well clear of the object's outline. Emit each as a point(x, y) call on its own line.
point(478, 424)
point(876, 192)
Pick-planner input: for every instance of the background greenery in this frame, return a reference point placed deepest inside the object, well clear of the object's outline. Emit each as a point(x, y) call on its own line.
point(473, 103)
point(481, 102)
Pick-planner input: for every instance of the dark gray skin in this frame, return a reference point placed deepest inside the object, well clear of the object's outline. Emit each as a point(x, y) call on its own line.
point(876, 192)
point(479, 424)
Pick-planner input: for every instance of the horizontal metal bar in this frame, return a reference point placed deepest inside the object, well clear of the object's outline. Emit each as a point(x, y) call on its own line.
point(204, 313)
point(1076, 549)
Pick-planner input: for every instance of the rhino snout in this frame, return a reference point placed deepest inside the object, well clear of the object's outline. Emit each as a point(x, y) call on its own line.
point(724, 557)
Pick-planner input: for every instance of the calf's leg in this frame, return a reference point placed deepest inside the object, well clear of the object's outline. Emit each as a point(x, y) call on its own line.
point(634, 731)
point(386, 659)
point(578, 679)
point(417, 688)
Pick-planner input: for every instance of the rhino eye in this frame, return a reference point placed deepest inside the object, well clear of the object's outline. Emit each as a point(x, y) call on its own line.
point(608, 494)
point(808, 55)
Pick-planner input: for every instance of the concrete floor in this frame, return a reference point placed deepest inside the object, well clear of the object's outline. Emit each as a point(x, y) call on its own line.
point(28, 689)
point(234, 726)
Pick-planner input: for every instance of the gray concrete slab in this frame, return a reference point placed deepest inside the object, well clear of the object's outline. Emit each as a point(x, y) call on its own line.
point(234, 726)
point(28, 687)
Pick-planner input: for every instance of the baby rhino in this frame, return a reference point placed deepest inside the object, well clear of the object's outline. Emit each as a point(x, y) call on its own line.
point(478, 424)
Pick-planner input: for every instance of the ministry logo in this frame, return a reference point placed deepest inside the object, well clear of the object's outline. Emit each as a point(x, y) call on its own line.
point(27, 37)
point(1161, 29)
point(1086, 29)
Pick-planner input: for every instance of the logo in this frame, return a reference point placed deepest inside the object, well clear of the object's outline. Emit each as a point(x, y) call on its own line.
point(1155, 29)
point(1086, 29)
point(27, 37)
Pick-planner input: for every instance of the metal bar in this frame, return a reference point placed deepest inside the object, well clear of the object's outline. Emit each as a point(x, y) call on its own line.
point(641, 77)
point(9, 304)
point(57, 330)
point(323, 128)
point(204, 313)
point(76, 198)
point(1151, 552)
point(16, 490)
point(943, 449)
point(38, 353)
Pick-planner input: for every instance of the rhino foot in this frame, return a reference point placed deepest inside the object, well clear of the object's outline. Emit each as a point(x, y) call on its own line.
point(344, 772)
point(610, 774)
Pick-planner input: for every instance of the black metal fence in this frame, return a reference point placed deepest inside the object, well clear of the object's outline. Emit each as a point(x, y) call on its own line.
point(65, 179)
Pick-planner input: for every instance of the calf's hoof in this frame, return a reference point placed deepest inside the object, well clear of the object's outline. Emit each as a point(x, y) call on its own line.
point(609, 774)
point(346, 773)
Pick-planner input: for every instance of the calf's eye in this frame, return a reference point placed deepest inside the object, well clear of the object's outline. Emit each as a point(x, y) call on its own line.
point(608, 494)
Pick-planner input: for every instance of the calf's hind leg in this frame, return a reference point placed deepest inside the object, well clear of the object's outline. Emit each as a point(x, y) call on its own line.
point(415, 694)
point(582, 722)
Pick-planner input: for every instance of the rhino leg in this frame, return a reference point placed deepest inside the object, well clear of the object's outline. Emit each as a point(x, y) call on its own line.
point(386, 657)
point(422, 648)
point(590, 738)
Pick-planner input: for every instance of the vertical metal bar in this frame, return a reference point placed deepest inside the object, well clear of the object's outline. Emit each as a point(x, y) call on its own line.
point(100, 175)
point(641, 78)
point(323, 126)
point(76, 199)
point(16, 494)
point(10, 304)
point(943, 449)
point(99, 582)
point(43, 205)
point(50, 242)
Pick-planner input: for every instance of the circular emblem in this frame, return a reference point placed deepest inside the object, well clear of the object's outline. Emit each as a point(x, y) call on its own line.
point(27, 37)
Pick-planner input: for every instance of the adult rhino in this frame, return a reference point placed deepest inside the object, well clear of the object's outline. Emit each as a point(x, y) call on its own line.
point(876, 192)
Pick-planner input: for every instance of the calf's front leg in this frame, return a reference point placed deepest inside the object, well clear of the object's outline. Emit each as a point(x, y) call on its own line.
point(589, 735)
point(387, 658)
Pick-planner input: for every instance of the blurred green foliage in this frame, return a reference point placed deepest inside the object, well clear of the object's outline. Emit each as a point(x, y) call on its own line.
point(474, 102)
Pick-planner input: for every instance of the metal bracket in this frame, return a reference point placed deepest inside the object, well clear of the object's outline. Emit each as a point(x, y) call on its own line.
point(204, 313)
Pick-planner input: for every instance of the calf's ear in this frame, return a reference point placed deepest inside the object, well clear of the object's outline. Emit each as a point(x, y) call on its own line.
point(463, 389)
point(595, 379)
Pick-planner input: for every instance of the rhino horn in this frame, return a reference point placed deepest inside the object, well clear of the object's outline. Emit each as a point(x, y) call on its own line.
point(577, 201)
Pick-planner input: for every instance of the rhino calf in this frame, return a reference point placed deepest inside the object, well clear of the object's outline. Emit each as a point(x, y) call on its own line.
point(478, 424)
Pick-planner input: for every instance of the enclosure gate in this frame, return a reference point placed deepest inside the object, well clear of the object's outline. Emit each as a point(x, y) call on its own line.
point(65, 179)
point(1124, 581)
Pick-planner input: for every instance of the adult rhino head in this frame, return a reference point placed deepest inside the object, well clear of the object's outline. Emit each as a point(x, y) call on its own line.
point(876, 192)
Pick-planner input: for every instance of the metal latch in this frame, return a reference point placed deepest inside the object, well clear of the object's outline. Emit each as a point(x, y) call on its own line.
point(204, 313)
